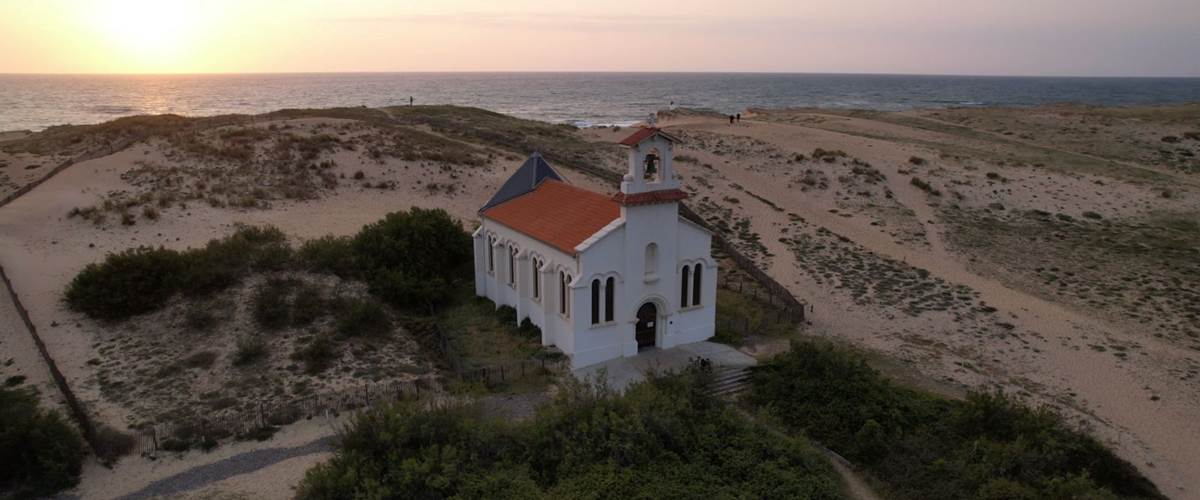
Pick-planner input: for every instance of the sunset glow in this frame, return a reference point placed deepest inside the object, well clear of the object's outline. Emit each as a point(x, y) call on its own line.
point(150, 30)
point(1059, 37)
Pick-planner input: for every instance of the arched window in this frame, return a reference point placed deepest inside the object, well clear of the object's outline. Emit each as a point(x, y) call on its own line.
point(652, 166)
point(610, 293)
point(696, 285)
point(564, 302)
point(491, 254)
point(651, 258)
point(512, 265)
point(683, 290)
point(595, 301)
point(537, 279)
point(562, 293)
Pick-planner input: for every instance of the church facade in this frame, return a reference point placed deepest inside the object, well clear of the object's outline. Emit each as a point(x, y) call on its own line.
point(603, 276)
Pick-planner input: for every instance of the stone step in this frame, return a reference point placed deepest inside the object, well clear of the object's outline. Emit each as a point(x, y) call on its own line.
point(729, 381)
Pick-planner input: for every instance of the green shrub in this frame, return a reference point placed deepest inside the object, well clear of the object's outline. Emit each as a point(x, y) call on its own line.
point(924, 186)
point(200, 317)
point(923, 446)
point(41, 452)
point(662, 439)
point(329, 254)
point(308, 305)
point(530, 330)
point(414, 258)
point(112, 444)
point(363, 318)
point(506, 314)
point(318, 354)
point(223, 263)
point(250, 348)
point(143, 279)
point(270, 303)
point(128, 283)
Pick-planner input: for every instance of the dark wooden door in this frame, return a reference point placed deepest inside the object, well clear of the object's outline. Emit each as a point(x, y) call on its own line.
point(647, 325)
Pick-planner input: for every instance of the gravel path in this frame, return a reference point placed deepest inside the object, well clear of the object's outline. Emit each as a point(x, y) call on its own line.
point(236, 465)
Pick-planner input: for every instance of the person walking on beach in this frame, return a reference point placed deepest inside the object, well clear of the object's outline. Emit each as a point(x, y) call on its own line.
point(410, 100)
point(731, 119)
point(739, 118)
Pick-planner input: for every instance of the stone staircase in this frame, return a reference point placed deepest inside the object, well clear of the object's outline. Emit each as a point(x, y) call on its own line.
point(730, 381)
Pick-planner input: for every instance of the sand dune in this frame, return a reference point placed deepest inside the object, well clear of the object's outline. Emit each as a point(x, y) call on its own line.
point(882, 259)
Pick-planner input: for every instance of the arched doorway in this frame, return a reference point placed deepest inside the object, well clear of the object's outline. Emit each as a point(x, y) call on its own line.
point(646, 330)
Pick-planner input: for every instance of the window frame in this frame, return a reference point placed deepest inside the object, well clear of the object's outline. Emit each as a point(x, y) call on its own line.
point(610, 298)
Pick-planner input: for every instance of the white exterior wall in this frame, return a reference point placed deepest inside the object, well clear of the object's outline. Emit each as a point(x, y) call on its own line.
point(544, 311)
point(620, 253)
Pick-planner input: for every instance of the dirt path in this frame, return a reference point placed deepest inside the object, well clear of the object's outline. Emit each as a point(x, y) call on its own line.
point(244, 463)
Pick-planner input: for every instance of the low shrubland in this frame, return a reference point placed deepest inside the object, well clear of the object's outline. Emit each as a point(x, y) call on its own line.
point(664, 438)
point(409, 259)
point(41, 452)
point(923, 446)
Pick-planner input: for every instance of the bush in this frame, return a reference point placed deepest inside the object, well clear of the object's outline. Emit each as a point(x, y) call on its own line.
point(132, 282)
point(506, 314)
point(41, 452)
point(529, 330)
point(363, 318)
point(308, 305)
point(250, 348)
point(317, 355)
point(329, 254)
point(270, 304)
point(143, 279)
point(200, 317)
point(662, 439)
point(112, 444)
point(924, 186)
point(923, 446)
point(414, 258)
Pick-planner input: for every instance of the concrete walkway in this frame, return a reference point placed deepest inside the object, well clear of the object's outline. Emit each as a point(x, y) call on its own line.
point(622, 372)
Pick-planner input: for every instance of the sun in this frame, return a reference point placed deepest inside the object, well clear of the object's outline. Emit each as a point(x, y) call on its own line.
point(149, 31)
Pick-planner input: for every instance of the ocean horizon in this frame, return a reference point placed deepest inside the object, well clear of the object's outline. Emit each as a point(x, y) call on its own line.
point(37, 101)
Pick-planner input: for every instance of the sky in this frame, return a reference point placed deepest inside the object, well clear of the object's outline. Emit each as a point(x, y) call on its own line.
point(962, 37)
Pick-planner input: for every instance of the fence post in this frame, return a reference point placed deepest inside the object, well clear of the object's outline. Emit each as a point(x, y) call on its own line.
point(154, 437)
point(262, 418)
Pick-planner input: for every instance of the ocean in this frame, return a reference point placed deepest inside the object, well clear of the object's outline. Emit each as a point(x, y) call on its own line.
point(35, 102)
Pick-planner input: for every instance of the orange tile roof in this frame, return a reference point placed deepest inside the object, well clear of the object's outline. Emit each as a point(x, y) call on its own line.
point(646, 133)
point(557, 213)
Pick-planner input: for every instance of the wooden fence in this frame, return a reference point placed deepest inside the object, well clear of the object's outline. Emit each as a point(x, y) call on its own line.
point(78, 412)
point(777, 291)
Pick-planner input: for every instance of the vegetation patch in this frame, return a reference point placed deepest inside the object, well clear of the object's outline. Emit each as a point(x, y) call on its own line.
point(922, 446)
point(1145, 269)
point(41, 452)
point(664, 438)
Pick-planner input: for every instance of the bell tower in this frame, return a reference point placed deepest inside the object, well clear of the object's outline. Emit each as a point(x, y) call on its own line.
point(651, 174)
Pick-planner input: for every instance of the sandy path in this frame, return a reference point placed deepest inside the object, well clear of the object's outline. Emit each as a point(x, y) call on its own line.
point(1163, 433)
point(257, 470)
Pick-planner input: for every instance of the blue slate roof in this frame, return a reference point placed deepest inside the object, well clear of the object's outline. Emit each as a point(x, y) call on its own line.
point(532, 172)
